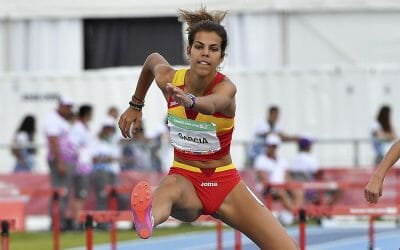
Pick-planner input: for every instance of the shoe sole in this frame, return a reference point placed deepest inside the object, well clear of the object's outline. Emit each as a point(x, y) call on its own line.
point(140, 206)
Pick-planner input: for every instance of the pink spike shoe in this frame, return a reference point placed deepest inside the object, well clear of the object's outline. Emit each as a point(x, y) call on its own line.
point(141, 209)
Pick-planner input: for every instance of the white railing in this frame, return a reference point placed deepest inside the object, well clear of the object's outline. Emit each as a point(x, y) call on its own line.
point(355, 153)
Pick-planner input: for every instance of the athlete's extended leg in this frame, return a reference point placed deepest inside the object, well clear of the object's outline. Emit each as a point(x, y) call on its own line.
point(243, 212)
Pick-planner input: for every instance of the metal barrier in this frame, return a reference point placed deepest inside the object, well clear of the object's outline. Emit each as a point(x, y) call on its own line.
point(5, 227)
point(322, 210)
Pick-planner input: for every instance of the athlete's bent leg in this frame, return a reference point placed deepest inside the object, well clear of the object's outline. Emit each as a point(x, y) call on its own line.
point(244, 212)
point(177, 197)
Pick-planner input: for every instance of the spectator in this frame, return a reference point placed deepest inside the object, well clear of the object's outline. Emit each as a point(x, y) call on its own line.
point(138, 153)
point(23, 147)
point(272, 169)
point(269, 126)
point(106, 156)
point(82, 140)
point(304, 168)
point(61, 154)
point(113, 113)
point(162, 148)
point(382, 133)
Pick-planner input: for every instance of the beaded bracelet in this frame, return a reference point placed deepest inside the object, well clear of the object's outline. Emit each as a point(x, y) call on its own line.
point(136, 106)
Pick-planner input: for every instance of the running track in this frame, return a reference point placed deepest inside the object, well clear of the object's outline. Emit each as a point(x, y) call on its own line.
point(317, 239)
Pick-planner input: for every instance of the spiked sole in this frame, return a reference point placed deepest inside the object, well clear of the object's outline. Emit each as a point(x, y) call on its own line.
point(141, 206)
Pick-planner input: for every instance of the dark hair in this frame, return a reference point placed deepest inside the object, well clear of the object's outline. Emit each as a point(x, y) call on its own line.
point(201, 20)
point(273, 109)
point(84, 110)
point(384, 118)
point(28, 125)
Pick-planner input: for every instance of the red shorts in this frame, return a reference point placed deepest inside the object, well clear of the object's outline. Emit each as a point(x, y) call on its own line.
point(212, 184)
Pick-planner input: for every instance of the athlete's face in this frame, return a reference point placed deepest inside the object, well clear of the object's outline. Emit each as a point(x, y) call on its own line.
point(205, 53)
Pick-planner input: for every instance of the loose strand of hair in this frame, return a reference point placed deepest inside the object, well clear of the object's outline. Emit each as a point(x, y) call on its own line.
point(201, 15)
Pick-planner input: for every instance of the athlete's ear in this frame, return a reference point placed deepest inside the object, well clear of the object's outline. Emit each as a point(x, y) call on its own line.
point(222, 57)
point(188, 51)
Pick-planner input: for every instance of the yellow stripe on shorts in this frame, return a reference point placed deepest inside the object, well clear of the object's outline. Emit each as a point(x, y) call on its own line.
point(198, 170)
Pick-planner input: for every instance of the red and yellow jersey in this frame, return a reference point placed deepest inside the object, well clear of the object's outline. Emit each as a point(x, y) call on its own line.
point(224, 124)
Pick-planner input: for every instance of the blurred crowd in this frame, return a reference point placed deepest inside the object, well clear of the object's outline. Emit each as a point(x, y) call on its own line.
point(79, 158)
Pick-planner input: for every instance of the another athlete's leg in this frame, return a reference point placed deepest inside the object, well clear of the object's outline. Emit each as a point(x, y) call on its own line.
point(243, 212)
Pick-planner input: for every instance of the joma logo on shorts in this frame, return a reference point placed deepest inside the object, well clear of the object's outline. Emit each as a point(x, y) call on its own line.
point(209, 184)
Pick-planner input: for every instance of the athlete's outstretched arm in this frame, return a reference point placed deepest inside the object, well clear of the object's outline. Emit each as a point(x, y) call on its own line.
point(154, 68)
point(373, 190)
point(222, 99)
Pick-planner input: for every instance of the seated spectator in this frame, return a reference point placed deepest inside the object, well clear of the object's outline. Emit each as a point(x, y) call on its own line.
point(268, 126)
point(272, 169)
point(304, 168)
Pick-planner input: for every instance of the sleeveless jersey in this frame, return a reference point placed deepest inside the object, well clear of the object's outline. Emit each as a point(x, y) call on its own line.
point(197, 136)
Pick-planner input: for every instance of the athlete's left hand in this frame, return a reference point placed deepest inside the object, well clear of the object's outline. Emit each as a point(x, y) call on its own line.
point(178, 95)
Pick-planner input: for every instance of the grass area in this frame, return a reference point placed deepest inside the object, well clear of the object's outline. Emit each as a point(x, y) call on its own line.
point(44, 240)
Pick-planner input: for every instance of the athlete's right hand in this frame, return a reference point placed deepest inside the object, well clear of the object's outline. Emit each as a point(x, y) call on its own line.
point(129, 121)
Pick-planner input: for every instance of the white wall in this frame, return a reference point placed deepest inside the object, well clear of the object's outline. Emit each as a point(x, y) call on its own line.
point(328, 103)
point(257, 39)
point(41, 45)
point(347, 37)
point(94, 8)
point(311, 39)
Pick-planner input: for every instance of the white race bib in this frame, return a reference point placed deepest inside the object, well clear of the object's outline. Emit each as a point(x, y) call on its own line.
point(193, 136)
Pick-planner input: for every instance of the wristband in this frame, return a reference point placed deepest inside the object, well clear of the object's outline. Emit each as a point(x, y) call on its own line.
point(193, 99)
point(136, 106)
